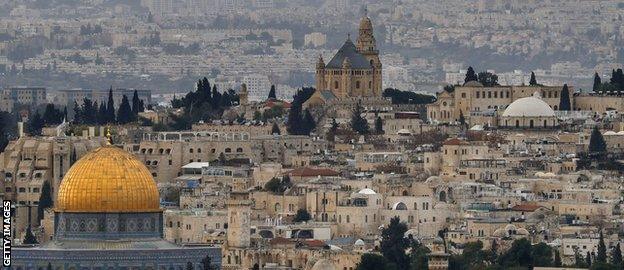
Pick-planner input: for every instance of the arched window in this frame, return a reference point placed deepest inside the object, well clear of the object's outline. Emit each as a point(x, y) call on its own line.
point(370, 84)
point(357, 84)
point(239, 150)
point(336, 84)
point(531, 123)
point(517, 123)
point(545, 123)
point(228, 150)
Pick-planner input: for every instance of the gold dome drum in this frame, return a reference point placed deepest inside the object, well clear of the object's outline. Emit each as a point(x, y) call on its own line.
point(108, 180)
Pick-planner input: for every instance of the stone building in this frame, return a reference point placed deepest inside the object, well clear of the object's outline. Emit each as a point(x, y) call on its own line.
point(355, 70)
point(108, 215)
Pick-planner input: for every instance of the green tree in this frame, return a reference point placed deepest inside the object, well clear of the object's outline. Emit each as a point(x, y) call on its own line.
point(533, 80)
point(275, 129)
point(302, 215)
point(45, 200)
point(462, 119)
point(372, 261)
point(597, 83)
point(419, 258)
point(542, 255)
point(616, 255)
point(597, 144)
point(124, 113)
point(51, 115)
point(488, 79)
point(309, 124)
point(257, 116)
point(294, 123)
point(601, 256)
point(110, 107)
point(379, 125)
point(359, 123)
point(272, 185)
point(222, 159)
point(49, 267)
point(394, 244)
point(557, 262)
point(579, 261)
point(29, 237)
point(520, 254)
point(35, 124)
point(272, 92)
point(588, 259)
point(8, 128)
point(564, 99)
point(471, 75)
point(137, 104)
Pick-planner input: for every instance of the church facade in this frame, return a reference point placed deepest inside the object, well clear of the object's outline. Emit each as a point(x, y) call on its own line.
point(355, 70)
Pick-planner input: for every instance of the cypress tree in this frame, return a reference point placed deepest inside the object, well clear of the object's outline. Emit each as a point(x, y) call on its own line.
point(588, 260)
point(379, 125)
point(471, 75)
point(102, 117)
point(616, 255)
point(602, 250)
point(309, 123)
point(294, 124)
point(216, 97)
point(462, 119)
point(272, 92)
point(124, 114)
point(597, 142)
point(564, 100)
point(597, 83)
point(110, 107)
point(136, 103)
point(45, 200)
point(35, 124)
point(533, 81)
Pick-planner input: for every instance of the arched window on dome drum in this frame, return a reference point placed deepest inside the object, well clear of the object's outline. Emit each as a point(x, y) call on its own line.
point(517, 123)
point(545, 123)
point(531, 123)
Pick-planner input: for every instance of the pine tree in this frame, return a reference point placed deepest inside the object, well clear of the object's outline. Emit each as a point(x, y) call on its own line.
point(29, 238)
point(379, 125)
point(275, 129)
point(77, 113)
point(102, 117)
point(602, 250)
point(309, 124)
point(45, 200)
point(616, 255)
point(533, 81)
point(88, 112)
point(110, 107)
point(124, 114)
point(597, 83)
point(272, 92)
point(216, 97)
point(564, 101)
point(359, 123)
point(597, 142)
point(471, 75)
point(393, 243)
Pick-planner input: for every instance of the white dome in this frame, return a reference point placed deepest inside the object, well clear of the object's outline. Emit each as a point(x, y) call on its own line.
point(477, 127)
point(367, 191)
point(532, 106)
point(404, 132)
point(359, 242)
point(610, 132)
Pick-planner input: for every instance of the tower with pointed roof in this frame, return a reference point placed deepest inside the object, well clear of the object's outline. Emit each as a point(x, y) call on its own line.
point(355, 70)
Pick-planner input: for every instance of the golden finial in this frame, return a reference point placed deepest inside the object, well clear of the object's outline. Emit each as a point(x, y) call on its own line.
point(109, 138)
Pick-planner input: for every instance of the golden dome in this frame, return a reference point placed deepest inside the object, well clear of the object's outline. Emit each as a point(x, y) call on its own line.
point(108, 180)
